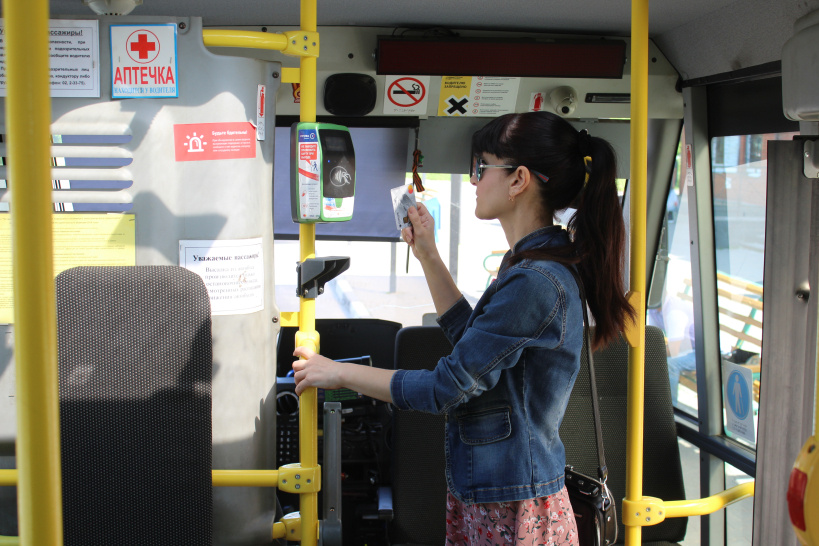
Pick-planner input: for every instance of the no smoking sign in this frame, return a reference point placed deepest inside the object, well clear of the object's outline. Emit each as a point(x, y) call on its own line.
point(406, 95)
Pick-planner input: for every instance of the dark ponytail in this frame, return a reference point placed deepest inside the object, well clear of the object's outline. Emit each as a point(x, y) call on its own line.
point(599, 236)
point(581, 170)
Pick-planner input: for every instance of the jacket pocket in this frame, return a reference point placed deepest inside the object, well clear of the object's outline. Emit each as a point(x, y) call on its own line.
point(485, 426)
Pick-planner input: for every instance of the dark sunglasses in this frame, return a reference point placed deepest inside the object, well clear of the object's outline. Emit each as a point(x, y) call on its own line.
point(478, 165)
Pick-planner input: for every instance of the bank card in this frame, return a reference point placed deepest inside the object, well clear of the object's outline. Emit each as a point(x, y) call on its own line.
point(403, 197)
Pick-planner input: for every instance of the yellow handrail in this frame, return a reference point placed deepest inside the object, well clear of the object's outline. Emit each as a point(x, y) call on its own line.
point(636, 334)
point(221, 478)
point(8, 477)
point(307, 335)
point(709, 505)
point(28, 118)
point(243, 38)
point(651, 511)
point(245, 478)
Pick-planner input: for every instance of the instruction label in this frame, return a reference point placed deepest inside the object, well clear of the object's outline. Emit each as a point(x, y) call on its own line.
point(233, 272)
point(309, 190)
point(478, 96)
point(74, 58)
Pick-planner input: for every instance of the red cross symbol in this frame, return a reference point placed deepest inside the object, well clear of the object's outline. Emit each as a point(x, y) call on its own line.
point(143, 46)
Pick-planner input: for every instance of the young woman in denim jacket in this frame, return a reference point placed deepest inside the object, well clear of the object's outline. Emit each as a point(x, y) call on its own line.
point(516, 355)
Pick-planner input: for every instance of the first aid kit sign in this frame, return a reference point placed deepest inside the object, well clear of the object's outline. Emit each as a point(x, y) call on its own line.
point(143, 61)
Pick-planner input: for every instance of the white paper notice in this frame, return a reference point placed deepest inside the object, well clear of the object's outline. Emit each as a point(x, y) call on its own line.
point(74, 58)
point(233, 272)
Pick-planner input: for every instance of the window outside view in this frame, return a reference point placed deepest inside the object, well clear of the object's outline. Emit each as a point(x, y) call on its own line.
point(739, 173)
point(384, 281)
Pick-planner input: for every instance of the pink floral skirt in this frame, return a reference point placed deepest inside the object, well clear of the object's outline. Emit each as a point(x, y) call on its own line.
point(546, 520)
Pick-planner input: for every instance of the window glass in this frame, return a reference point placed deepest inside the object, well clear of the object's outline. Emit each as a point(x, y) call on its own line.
point(739, 167)
point(670, 300)
point(384, 280)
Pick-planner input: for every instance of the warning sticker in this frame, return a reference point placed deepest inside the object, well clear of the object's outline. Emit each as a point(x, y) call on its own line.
point(143, 61)
point(210, 141)
point(406, 95)
point(309, 191)
point(478, 96)
point(454, 99)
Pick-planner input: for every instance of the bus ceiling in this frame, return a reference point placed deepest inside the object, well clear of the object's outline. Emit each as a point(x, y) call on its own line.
point(699, 37)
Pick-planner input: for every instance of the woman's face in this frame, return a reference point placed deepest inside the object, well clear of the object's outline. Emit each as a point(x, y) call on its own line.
point(492, 190)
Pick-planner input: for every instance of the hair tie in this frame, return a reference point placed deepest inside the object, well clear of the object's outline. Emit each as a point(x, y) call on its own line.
point(587, 165)
point(584, 142)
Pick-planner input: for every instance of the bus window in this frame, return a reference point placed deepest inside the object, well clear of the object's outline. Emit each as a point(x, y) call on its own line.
point(670, 303)
point(739, 166)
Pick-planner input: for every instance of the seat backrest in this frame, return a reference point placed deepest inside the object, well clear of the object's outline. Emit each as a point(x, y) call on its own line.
point(135, 367)
point(418, 463)
point(662, 470)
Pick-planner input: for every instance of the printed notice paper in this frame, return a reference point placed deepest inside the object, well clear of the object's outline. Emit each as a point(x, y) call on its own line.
point(74, 58)
point(233, 272)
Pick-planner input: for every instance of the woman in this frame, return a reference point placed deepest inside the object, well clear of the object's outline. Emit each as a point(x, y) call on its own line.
point(515, 356)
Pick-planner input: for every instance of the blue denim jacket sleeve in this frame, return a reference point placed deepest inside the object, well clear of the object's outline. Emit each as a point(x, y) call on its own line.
point(514, 315)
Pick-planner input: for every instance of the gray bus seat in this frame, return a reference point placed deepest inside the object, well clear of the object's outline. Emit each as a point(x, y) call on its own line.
point(662, 470)
point(135, 353)
point(418, 480)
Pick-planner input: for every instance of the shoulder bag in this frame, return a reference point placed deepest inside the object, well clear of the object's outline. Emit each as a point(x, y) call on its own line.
point(592, 502)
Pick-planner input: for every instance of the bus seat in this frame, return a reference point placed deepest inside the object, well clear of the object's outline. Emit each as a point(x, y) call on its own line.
point(662, 470)
point(418, 480)
point(135, 366)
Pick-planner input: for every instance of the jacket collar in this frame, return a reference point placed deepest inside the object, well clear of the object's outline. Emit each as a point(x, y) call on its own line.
point(545, 236)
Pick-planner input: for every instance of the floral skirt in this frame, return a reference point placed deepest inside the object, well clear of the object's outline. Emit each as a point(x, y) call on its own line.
point(546, 520)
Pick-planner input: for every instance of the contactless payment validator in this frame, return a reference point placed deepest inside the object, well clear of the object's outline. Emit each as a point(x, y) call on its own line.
point(322, 173)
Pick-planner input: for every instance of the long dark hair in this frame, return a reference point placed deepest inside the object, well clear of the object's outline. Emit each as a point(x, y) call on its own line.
point(581, 170)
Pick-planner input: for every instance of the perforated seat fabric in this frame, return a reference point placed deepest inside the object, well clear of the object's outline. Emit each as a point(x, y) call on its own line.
point(662, 470)
point(418, 465)
point(135, 365)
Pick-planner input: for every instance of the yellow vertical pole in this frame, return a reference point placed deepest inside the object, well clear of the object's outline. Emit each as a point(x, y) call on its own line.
point(636, 362)
point(28, 118)
point(307, 335)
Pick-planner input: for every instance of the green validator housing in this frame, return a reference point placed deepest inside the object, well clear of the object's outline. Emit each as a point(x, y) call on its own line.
point(322, 173)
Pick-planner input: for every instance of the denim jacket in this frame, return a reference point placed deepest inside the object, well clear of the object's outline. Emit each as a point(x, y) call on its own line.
point(505, 386)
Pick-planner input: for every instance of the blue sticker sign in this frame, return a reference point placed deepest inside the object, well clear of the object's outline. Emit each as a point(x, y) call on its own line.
point(738, 400)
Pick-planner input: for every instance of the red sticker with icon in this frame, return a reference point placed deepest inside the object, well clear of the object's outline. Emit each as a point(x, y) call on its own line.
point(213, 141)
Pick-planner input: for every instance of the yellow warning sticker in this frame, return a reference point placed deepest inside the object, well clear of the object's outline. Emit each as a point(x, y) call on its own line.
point(454, 95)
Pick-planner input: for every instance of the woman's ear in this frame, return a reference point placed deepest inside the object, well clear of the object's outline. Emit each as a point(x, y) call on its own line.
point(522, 180)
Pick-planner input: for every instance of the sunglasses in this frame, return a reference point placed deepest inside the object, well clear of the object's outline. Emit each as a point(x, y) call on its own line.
point(478, 165)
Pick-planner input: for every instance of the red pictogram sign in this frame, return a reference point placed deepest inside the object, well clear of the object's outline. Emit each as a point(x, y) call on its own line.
point(142, 46)
point(406, 92)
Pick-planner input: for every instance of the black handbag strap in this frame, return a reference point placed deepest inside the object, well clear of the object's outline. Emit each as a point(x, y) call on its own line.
point(602, 470)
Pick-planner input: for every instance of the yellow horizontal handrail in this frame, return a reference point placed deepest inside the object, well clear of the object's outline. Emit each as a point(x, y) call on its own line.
point(245, 478)
point(9, 541)
point(8, 476)
point(244, 38)
point(709, 505)
point(650, 510)
point(221, 478)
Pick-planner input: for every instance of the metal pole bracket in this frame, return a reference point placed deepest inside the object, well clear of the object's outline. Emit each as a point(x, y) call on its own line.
point(315, 272)
point(295, 479)
point(811, 159)
point(644, 512)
